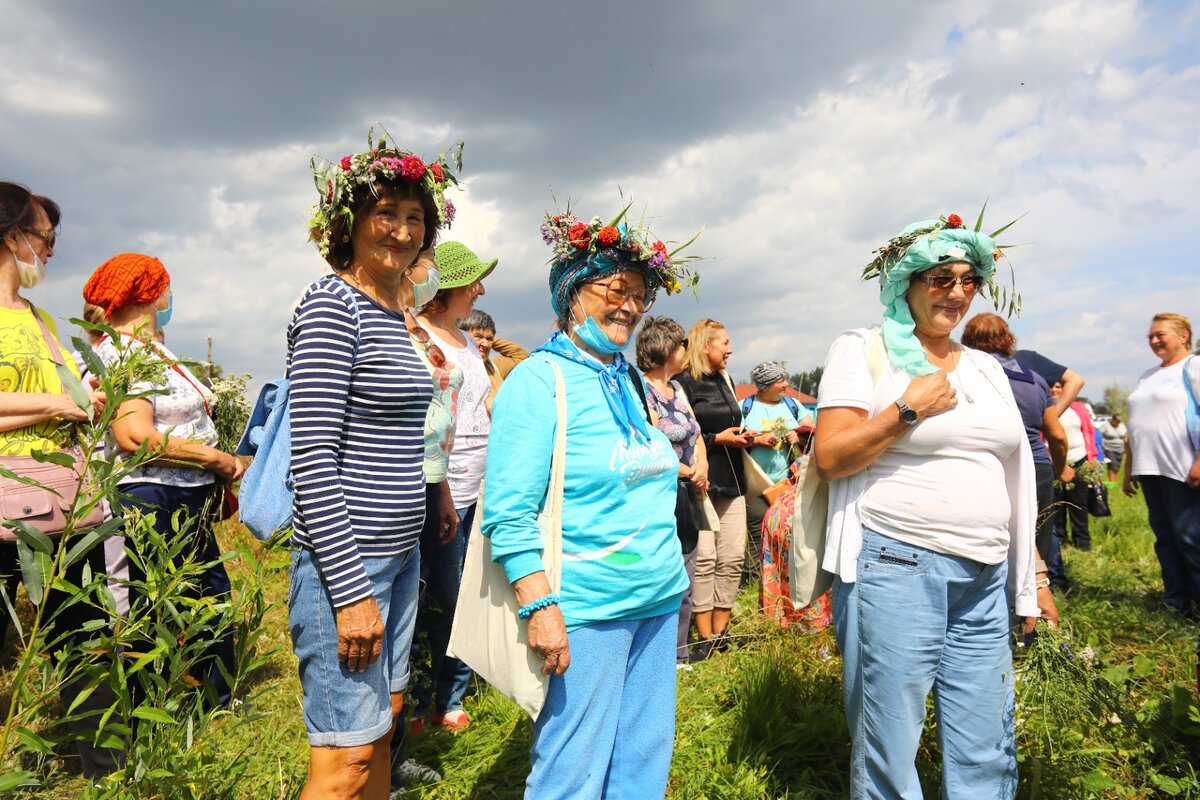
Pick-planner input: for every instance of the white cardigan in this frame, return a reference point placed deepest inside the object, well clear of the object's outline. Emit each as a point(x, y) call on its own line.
point(844, 529)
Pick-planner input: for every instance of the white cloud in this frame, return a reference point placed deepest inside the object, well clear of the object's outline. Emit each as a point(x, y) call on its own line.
point(1081, 114)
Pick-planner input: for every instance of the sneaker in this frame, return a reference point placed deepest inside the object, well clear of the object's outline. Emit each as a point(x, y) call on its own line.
point(414, 773)
point(700, 650)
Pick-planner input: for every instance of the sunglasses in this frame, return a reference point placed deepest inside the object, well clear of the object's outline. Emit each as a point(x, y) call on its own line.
point(944, 283)
point(49, 237)
point(434, 353)
point(617, 293)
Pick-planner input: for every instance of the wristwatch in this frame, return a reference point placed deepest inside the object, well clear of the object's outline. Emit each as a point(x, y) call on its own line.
point(908, 414)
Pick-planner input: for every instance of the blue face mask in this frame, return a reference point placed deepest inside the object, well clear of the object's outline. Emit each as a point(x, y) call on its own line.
point(591, 334)
point(423, 292)
point(161, 318)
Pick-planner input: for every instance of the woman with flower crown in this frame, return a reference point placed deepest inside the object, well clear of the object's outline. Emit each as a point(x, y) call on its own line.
point(608, 635)
point(932, 508)
point(359, 395)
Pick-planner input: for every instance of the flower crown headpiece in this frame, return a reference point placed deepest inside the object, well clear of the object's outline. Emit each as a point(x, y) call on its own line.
point(572, 239)
point(340, 185)
point(1004, 298)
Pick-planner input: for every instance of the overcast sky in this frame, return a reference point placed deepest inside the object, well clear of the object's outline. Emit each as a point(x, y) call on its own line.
point(799, 135)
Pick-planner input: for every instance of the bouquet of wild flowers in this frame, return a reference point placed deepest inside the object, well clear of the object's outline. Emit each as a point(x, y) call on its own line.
point(1090, 472)
point(230, 410)
point(778, 428)
point(1063, 699)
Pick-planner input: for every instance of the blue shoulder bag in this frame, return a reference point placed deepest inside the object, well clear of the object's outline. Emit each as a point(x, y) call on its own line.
point(1192, 413)
point(267, 490)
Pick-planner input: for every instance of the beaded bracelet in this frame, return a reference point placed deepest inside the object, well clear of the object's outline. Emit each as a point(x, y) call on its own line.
point(526, 611)
point(1043, 583)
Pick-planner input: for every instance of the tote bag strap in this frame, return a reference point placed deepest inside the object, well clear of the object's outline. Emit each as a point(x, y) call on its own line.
point(51, 344)
point(69, 383)
point(553, 508)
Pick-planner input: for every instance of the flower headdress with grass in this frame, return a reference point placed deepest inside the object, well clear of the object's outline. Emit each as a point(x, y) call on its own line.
point(343, 185)
point(921, 246)
point(585, 251)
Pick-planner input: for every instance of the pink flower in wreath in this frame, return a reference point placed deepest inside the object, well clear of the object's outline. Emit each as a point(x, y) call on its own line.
point(347, 163)
point(412, 168)
point(450, 211)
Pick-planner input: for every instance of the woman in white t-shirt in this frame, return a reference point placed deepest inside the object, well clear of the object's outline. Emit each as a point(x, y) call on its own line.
point(931, 523)
point(1164, 460)
point(461, 283)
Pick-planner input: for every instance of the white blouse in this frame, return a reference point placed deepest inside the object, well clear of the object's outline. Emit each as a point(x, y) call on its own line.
point(181, 410)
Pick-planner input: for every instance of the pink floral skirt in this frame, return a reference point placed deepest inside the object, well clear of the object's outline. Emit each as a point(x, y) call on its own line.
point(774, 596)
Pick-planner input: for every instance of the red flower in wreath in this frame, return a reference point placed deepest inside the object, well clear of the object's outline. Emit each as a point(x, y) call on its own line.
point(954, 221)
point(438, 175)
point(412, 168)
point(659, 247)
point(579, 236)
point(347, 163)
point(608, 236)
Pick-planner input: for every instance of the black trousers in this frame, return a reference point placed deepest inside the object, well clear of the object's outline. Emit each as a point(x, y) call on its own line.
point(163, 501)
point(68, 620)
point(1072, 505)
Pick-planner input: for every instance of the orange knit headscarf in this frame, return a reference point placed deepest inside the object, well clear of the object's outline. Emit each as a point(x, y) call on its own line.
point(127, 279)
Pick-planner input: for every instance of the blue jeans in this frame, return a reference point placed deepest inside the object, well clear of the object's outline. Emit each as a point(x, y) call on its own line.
point(608, 725)
point(918, 620)
point(344, 708)
point(1174, 512)
point(441, 572)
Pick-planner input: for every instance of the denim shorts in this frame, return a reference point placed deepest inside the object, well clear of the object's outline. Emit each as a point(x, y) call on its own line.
point(343, 708)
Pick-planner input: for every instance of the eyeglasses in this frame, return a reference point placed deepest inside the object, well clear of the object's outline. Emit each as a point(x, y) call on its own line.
point(617, 293)
point(434, 353)
point(49, 237)
point(944, 283)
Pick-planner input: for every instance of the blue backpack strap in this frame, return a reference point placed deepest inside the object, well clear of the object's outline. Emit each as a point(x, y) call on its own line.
point(793, 406)
point(747, 404)
point(1187, 381)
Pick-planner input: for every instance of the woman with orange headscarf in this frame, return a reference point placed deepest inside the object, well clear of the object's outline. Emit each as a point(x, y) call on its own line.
point(172, 419)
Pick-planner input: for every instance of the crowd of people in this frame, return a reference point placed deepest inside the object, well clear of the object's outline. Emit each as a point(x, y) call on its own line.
point(955, 474)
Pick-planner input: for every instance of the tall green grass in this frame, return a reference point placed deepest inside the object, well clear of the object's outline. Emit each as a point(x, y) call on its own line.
point(1105, 709)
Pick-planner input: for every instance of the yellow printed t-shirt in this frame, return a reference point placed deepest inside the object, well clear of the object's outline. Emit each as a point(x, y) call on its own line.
point(26, 366)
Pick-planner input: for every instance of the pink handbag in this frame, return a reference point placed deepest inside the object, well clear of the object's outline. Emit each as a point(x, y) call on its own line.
point(44, 507)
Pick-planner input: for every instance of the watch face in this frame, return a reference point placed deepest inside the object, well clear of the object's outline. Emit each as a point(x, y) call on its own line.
point(908, 416)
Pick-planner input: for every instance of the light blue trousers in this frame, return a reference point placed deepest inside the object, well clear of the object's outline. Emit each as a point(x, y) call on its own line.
point(609, 722)
point(918, 620)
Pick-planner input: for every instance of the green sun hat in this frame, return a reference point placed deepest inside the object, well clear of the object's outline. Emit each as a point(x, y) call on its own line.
point(459, 266)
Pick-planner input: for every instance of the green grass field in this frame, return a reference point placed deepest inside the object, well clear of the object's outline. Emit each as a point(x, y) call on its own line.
point(1106, 710)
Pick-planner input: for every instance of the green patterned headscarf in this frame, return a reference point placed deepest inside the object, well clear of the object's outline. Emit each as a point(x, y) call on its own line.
point(921, 246)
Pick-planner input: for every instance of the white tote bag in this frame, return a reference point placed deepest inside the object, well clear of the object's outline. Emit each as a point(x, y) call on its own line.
point(487, 634)
point(807, 580)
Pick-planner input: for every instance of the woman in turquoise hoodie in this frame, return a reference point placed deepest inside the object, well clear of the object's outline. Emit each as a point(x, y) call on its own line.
point(608, 635)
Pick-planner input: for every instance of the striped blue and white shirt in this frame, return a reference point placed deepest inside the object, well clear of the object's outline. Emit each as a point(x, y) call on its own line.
point(358, 433)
